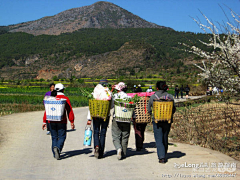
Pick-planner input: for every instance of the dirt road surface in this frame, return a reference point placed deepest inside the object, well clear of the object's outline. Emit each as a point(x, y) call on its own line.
point(25, 153)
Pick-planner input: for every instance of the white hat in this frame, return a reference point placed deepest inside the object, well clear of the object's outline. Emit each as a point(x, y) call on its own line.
point(120, 86)
point(139, 85)
point(59, 87)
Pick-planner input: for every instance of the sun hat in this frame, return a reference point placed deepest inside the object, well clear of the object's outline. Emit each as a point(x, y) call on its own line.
point(120, 86)
point(134, 86)
point(139, 85)
point(59, 87)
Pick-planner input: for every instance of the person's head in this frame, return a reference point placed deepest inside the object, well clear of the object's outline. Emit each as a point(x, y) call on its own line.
point(134, 86)
point(120, 86)
point(54, 93)
point(104, 82)
point(51, 86)
point(59, 87)
point(176, 85)
point(139, 85)
point(161, 85)
point(150, 87)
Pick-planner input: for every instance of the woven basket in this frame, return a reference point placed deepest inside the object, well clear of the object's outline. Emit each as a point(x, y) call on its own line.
point(142, 115)
point(162, 110)
point(54, 108)
point(123, 111)
point(99, 108)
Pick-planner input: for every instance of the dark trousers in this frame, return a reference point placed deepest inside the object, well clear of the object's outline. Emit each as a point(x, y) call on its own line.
point(139, 129)
point(48, 126)
point(176, 94)
point(58, 133)
point(161, 131)
point(99, 133)
point(181, 94)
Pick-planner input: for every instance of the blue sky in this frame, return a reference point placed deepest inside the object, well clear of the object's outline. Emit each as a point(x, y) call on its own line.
point(169, 13)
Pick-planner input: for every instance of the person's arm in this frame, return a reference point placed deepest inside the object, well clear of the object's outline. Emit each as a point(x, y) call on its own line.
point(89, 118)
point(44, 125)
point(149, 108)
point(70, 113)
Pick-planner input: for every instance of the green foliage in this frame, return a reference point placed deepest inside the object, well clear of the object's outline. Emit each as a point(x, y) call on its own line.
point(162, 43)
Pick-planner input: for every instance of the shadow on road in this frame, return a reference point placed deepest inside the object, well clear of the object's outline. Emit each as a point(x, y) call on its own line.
point(76, 153)
point(70, 130)
point(130, 152)
point(149, 145)
point(175, 154)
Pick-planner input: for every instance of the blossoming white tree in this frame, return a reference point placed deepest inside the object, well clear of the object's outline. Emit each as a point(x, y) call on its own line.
point(222, 68)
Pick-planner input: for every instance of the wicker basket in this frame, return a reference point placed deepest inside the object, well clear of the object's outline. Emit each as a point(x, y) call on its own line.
point(123, 111)
point(162, 110)
point(142, 115)
point(99, 108)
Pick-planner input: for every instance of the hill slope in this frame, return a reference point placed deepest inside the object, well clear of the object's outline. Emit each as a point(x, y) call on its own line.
point(98, 15)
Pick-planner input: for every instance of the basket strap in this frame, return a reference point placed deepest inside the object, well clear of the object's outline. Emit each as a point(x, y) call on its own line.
point(165, 97)
point(145, 102)
point(157, 97)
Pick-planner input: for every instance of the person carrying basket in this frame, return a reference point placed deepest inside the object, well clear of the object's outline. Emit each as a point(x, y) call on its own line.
point(59, 128)
point(101, 94)
point(162, 125)
point(121, 125)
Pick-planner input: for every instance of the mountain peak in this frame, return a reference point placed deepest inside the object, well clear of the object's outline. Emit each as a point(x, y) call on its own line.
point(98, 15)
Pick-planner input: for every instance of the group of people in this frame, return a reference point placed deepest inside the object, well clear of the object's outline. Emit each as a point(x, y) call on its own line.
point(120, 129)
point(182, 90)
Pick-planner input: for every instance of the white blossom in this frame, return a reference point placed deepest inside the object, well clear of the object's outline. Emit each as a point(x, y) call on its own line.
point(222, 68)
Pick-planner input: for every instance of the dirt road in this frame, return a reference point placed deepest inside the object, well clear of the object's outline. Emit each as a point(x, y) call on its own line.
point(26, 153)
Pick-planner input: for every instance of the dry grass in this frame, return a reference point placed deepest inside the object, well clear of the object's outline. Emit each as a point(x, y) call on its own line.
point(215, 126)
point(6, 109)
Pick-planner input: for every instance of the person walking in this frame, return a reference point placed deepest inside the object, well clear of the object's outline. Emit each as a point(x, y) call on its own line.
point(59, 128)
point(51, 86)
point(139, 89)
point(176, 91)
point(187, 89)
point(99, 127)
point(120, 129)
point(139, 130)
point(162, 128)
point(181, 91)
point(149, 89)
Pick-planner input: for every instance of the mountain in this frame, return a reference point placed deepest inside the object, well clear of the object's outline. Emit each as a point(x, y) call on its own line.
point(98, 15)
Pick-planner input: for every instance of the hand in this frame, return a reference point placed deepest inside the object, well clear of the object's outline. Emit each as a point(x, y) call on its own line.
point(113, 87)
point(89, 122)
point(44, 126)
point(72, 125)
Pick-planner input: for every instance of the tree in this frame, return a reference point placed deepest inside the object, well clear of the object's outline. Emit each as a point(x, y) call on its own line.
point(222, 68)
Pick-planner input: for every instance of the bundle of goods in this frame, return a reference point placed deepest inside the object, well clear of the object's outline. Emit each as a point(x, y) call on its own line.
point(142, 115)
point(54, 108)
point(162, 110)
point(141, 94)
point(100, 106)
point(123, 110)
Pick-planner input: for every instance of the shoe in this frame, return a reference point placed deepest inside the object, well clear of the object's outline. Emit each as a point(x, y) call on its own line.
point(119, 153)
point(138, 149)
point(100, 155)
point(56, 152)
point(163, 161)
point(96, 152)
point(48, 133)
